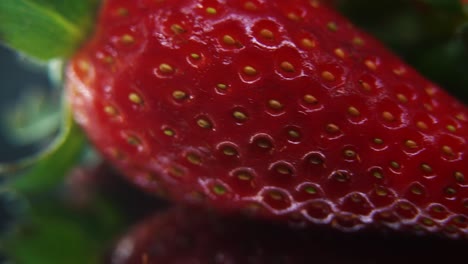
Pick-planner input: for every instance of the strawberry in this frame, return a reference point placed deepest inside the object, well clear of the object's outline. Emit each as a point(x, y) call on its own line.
point(187, 236)
point(282, 109)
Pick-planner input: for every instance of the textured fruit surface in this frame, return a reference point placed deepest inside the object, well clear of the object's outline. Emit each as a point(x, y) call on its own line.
point(279, 108)
point(186, 236)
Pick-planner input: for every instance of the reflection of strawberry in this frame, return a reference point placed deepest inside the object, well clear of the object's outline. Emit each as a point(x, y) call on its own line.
point(280, 108)
point(185, 236)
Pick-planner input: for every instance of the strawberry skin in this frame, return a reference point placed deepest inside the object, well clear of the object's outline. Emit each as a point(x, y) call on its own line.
point(279, 108)
point(184, 235)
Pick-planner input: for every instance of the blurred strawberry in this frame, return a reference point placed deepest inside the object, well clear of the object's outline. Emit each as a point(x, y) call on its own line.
point(187, 236)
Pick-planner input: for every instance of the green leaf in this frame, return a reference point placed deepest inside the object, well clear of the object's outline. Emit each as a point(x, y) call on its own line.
point(447, 5)
point(31, 118)
point(53, 232)
point(46, 29)
point(464, 34)
point(46, 169)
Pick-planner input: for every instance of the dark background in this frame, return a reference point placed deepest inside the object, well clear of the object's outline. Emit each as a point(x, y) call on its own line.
point(16, 76)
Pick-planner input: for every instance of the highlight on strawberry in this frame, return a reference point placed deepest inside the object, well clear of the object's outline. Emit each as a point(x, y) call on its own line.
point(285, 111)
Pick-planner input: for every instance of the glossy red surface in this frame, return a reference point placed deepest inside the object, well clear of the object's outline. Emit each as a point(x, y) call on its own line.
point(281, 108)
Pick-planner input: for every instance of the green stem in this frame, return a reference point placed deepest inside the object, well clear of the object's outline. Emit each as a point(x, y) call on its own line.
point(46, 29)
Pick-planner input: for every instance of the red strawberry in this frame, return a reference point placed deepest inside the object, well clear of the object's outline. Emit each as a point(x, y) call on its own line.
point(280, 108)
point(185, 236)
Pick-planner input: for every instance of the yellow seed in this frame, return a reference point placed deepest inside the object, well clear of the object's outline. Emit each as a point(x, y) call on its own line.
point(437, 209)
point(371, 65)
point(203, 123)
point(108, 59)
point(229, 40)
point(287, 66)
point(315, 160)
point(429, 107)
point(459, 177)
point(428, 222)
point(294, 134)
point(179, 95)
point(239, 115)
point(395, 165)
point(127, 39)
point(244, 176)
point(451, 128)
point(195, 56)
point(421, 125)
point(328, 76)
point(135, 98)
point(340, 53)
point(310, 190)
point(122, 12)
point(353, 111)
point(294, 17)
point(426, 168)
point(448, 150)
point(132, 140)
point(250, 6)
point(166, 68)
point(315, 3)
point(307, 43)
point(211, 11)
point(332, 26)
point(461, 117)
point(169, 132)
point(194, 158)
point(355, 198)
point(411, 144)
point(332, 128)
point(377, 174)
point(84, 65)
point(274, 104)
point(431, 91)
point(380, 191)
point(282, 169)
point(276, 195)
point(349, 153)
point(416, 190)
point(222, 86)
point(341, 177)
point(268, 34)
point(263, 143)
point(365, 86)
point(387, 116)
point(402, 98)
point(110, 110)
point(229, 151)
point(358, 41)
point(450, 191)
point(219, 189)
point(177, 29)
point(310, 99)
point(249, 70)
point(378, 141)
point(399, 71)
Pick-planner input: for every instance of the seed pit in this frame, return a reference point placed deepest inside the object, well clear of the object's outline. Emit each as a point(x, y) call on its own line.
point(204, 123)
point(262, 141)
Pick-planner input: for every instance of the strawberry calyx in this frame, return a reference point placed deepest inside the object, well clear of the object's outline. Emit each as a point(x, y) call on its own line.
point(46, 29)
point(45, 169)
